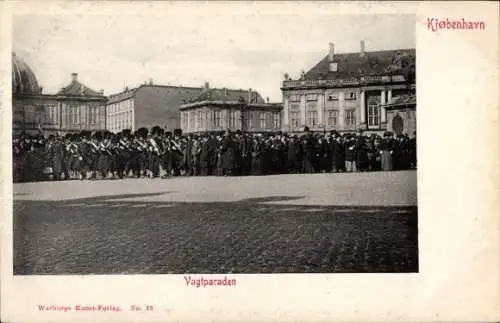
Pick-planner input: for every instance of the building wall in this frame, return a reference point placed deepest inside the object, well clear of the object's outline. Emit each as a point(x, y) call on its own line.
point(120, 115)
point(217, 118)
point(342, 109)
point(408, 118)
point(51, 114)
point(157, 105)
point(78, 115)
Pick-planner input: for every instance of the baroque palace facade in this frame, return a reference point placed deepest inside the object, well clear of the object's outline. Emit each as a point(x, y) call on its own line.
point(349, 91)
point(216, 110)
point(74, 108)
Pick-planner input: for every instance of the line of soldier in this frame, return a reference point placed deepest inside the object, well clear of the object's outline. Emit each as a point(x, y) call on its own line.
point(144, 153)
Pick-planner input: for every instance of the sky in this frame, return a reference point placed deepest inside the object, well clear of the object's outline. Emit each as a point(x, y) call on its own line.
point(240, 51)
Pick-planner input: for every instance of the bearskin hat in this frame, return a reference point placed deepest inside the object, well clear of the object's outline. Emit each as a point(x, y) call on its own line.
point(97, 135)
point(155, 131)
point(306, 129)
point(85, 134)
point(177, 132)
point(125, 133)
point(142, 132)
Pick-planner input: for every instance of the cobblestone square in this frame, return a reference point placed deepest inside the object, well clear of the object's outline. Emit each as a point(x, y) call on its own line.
point(321, 223)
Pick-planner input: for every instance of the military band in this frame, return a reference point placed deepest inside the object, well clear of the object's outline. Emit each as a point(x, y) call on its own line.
point(158, 153)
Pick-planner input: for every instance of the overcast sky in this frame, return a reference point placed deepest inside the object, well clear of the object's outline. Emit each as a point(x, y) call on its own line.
point(234, 51)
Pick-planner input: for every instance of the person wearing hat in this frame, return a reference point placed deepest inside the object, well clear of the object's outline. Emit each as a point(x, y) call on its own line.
point(386, 151)
point(228, 154)
point(350, 154)
point(308, 153)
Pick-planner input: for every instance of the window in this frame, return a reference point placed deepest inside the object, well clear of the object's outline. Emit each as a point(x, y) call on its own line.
point(332, 117)
point(276, 120)
point(350, 96)
point(75, 115)
point(93, 115)
point(50, 114)
point(217, 118)
point(312, 118)
point(350, 117)
point(311, 97)
point(263, 122)
point(333, 67)
point(197, 121)
point(294, 119)
point(232, 119)
point(294, 98)
point(295, 106)
point(191, 119)
point(237, 118)
point(373, 113)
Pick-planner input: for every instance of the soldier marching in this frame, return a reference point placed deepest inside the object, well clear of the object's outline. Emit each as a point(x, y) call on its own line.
point(156, 153)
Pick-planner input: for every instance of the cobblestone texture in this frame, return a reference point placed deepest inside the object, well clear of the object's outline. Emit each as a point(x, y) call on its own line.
point(129, 234)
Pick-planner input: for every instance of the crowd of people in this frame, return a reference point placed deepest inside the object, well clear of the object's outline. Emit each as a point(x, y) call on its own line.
point(150, 153)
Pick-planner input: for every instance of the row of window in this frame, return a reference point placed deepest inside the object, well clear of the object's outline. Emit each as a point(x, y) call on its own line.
point(373, 114)
point(119, 106)
point(118, 122)
point(75, 114)
point(199, 119)
point(332, 117)
point(349, 95)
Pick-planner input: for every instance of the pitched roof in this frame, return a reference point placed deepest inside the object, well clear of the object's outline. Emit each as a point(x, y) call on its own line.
point(229, 95)
point(76, 88)
point(353, 65)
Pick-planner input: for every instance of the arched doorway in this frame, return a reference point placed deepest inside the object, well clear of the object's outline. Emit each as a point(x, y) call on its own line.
point(397, 124)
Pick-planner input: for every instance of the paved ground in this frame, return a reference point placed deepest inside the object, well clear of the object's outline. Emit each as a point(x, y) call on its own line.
point(365, 222)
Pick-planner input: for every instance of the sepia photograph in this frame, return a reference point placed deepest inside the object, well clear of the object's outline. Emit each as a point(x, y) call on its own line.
point(179, 161)
point(237, 148)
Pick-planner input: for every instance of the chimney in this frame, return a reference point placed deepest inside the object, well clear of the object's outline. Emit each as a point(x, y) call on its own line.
point(150, 81)
point(331, 52)
point(74, 77)
point(362, 49)
point(267, 99)
point(101, 92)
point(207, 85)
point(249, 95)
point(225, 92)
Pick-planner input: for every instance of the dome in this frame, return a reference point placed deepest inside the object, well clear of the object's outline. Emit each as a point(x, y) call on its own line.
point(23, 79)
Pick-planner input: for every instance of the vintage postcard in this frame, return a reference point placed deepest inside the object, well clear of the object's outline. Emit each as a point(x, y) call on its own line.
point(249, 161)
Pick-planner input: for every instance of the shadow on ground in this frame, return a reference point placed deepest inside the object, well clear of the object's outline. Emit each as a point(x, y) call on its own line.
point(104, 236)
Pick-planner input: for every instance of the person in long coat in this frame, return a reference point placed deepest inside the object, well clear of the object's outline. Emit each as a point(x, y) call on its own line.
point(256, 153)
point(308, 153)
point(293, 155)
point(338, 154)
point(56, 154)
point(205, 156)
point(386, 152)
point(228, 153)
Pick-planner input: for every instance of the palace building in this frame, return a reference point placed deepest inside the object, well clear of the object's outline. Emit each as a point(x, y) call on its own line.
point(348, 91)
point(148, 105)
point(74, 108)
point(217, 110)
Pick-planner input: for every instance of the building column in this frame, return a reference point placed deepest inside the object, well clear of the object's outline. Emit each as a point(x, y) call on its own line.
point(383, 116)
point(286, 108)
point(321, 110)
point(302, 110)
point(341, 110)
point(362, 112)
point(389, 96)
